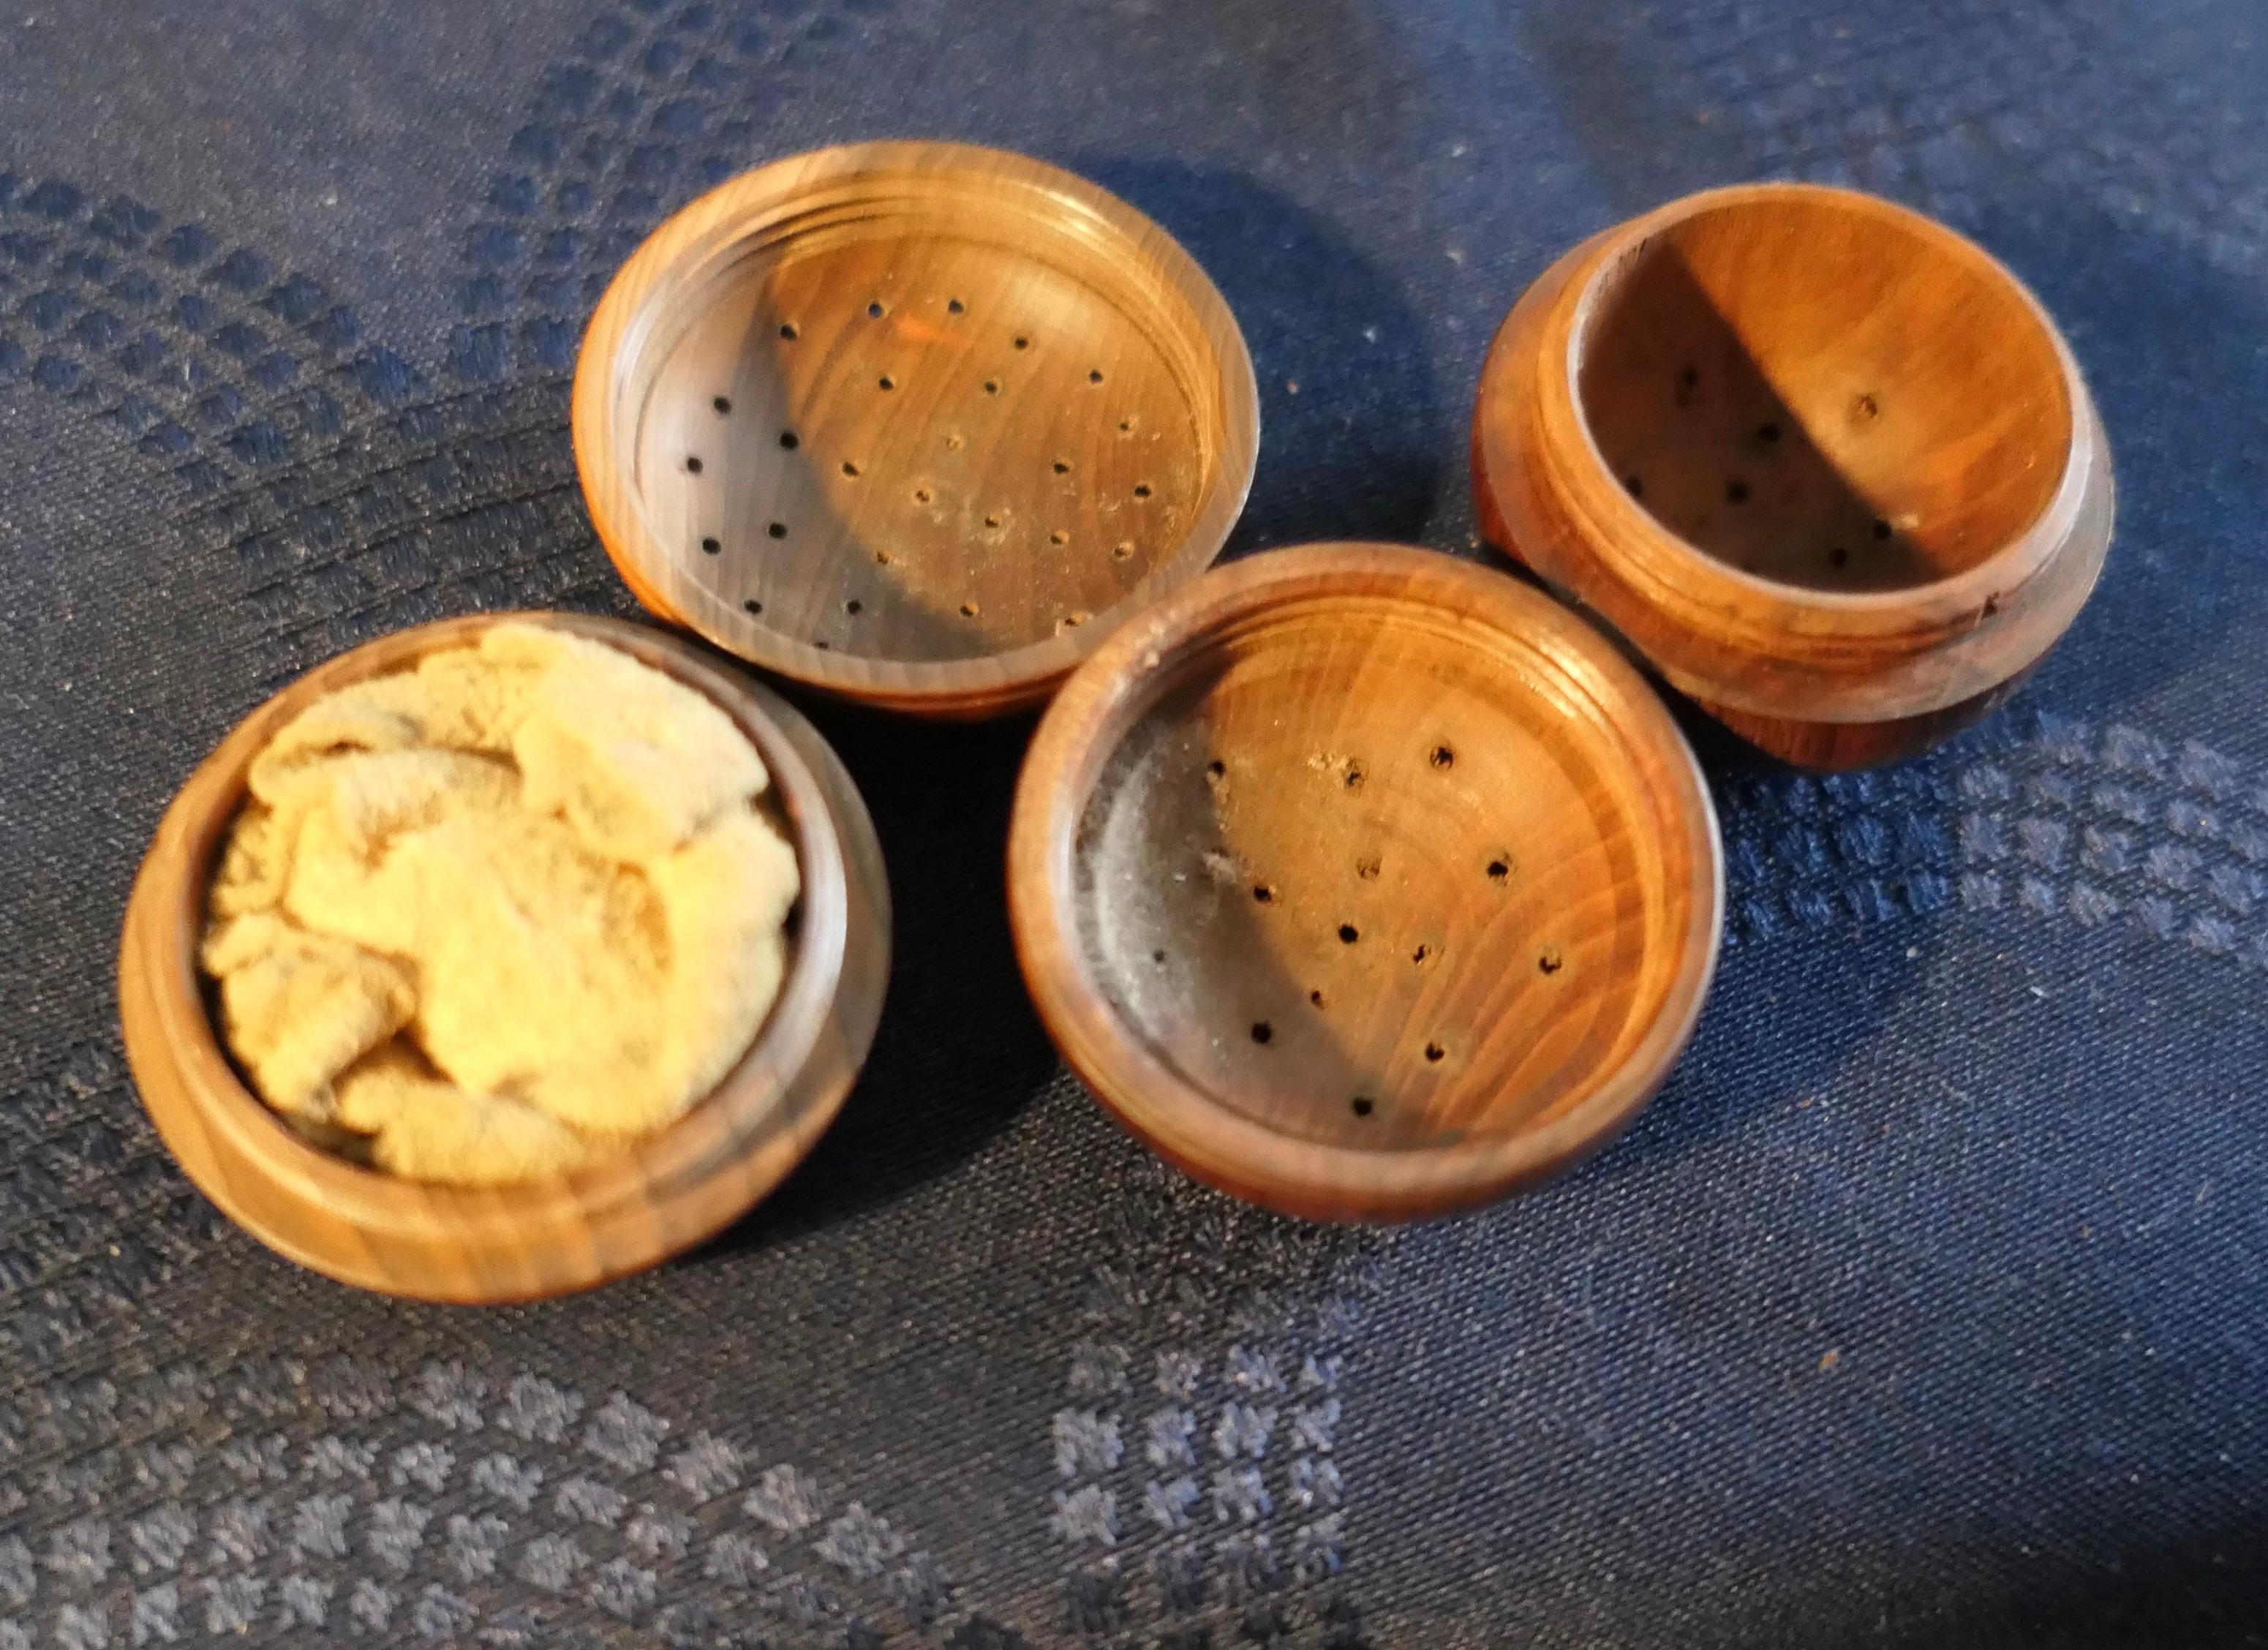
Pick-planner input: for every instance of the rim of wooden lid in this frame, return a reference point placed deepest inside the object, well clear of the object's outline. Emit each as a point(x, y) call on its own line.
point(1093, 229)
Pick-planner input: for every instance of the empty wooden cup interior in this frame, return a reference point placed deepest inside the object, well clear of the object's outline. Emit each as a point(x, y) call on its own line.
point(624, 1211)
point(909, 421)
point(1827, 464)
point(1365, 883)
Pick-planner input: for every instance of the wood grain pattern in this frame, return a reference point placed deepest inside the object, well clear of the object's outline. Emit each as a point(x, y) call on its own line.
point(1826, 464)
point(1364, 883)
point(542, 1237)
point(912, 422)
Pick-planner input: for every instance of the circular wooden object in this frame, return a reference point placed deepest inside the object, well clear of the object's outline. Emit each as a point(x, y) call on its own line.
point(1825, 463)
point(545, 1237)
point(1364, 883)
point(913, 423)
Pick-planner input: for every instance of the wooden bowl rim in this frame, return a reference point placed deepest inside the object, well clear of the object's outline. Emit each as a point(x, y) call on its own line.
point(2012, 562)
point(1182, 1121)
point(760, 199)
point(690, 1150)
point(1851, 656)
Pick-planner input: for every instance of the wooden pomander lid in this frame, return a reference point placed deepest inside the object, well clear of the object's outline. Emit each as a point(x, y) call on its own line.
point(1829, 466)
point(912, 422)
point(1365, 883)
point(624, 1212)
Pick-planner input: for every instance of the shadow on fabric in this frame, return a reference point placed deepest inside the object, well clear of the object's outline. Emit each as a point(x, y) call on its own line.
point(2210, 1593)
point(960, 1051)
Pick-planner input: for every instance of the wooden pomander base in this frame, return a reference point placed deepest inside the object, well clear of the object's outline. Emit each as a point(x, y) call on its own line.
point(1823, 462)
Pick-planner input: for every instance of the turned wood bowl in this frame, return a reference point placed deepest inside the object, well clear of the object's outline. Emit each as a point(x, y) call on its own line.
point(544, 1237)
point(1365, 883)
point(1826, 465)
point(912, 423)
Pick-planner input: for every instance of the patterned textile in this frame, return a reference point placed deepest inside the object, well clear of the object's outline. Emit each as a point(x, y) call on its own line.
point(1928, 1305)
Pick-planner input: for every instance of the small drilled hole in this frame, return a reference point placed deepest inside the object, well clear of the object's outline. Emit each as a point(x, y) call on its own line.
point(1123, 550)
point(1866, 407)
point(1063, 467)
point(723, 403)
point(991, 387)
point(1551, 961)
point(1157, 956)
point(787, 330)
point(1348, 934)
point(1443, 757)
point(967, 609)
point(1261, 892)
point(954, 306)
point(923, 494)
point(1436, 1053)
point(1126, 426)
point(1366, 869)
point(1768, 433)
point(1354, 775)
point(1059, 537)
point(1094, 375)
point(1023, 343)
point(1838, 556)
point(753, 605)
point(1882, 528)
point(848, 469)
point(788, 440)
point(824, 647)
point(881, 558)
point(854, 606)
point(874, 310)
point(1361, 1105)
point(1636, 487)
point(886, 382)
point(778, 529)
point(1141, 489)
point(1262, 1032)
point(1736, 492)
point(993, 521)
point(692, 466)
point(711, 545)
point(1498, 870)
point(1316, 997)
point(1689, 378)
point(1216, 771)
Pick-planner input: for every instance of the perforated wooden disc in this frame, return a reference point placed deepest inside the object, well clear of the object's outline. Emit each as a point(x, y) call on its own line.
point(912, 422)
point(1365, 883)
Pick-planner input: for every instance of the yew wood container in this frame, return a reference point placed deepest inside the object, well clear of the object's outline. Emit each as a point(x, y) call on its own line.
point(1826, 465)
point(545, 1237)
point(1365, 883)
point(912, 423)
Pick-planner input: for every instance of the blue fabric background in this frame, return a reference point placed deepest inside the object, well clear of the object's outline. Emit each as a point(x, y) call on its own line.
point(1927, 1305)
